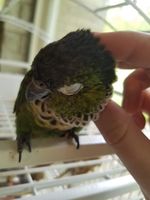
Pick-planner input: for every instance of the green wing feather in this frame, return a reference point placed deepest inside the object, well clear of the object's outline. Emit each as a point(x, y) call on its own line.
point(25, 121)
point(21, 94)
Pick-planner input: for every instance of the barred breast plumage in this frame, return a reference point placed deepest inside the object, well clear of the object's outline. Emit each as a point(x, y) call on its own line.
point(46, 116)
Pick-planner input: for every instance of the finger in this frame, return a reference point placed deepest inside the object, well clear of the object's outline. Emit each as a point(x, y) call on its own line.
point(125, 65)
point(145, 101)
point(129, 46)
point(139, 119)
point(134, 84)
point(138, 116)
point(127, 141)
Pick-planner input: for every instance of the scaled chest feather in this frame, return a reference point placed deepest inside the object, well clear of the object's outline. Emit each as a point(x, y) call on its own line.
point(45, 116)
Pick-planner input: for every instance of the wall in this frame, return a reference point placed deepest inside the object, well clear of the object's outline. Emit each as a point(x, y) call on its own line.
point(72, 17)
point(15, 43)
point(18, 44)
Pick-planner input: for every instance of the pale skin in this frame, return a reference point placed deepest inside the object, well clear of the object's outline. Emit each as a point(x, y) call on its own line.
point(131, 50)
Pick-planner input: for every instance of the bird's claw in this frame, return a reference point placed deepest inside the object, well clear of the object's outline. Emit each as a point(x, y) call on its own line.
point(72, 134)
point(23, 139)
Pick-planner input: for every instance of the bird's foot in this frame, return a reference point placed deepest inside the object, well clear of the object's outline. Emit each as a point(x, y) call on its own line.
point(72, 134)
point(23, 139)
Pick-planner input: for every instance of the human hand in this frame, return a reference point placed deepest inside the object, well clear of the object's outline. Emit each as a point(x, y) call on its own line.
point(121, 127)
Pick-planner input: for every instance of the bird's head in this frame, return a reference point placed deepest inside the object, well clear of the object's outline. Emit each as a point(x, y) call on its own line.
point(73, 74)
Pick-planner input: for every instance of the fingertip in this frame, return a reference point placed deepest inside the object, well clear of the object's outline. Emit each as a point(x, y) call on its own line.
point(139, 120)
point(128, 107)
point(131, 94)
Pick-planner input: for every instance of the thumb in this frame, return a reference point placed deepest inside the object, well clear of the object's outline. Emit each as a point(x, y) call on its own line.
point(127, 141)
point(115, 124)
point(118, 128)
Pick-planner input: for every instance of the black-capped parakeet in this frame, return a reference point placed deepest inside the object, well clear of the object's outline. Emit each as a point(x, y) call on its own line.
point(68, 85)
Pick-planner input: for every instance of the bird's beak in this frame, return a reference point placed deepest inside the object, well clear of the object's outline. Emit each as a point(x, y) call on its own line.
point(34, 93)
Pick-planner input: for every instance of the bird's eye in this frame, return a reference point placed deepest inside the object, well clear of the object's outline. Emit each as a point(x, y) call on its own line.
point(72, 89)
point(39, 84)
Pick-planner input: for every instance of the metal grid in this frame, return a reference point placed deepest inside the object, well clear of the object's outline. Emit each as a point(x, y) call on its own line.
point(97, 177)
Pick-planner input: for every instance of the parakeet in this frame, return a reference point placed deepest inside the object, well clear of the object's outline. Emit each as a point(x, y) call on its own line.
point(69, 83)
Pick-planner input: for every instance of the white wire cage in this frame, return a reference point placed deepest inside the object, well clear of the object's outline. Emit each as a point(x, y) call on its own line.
point(55, 169)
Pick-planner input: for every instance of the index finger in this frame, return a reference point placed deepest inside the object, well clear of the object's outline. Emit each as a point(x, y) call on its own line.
point(128, 46)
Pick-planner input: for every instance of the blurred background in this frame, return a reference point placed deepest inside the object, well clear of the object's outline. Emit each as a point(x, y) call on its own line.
point(25, 27)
